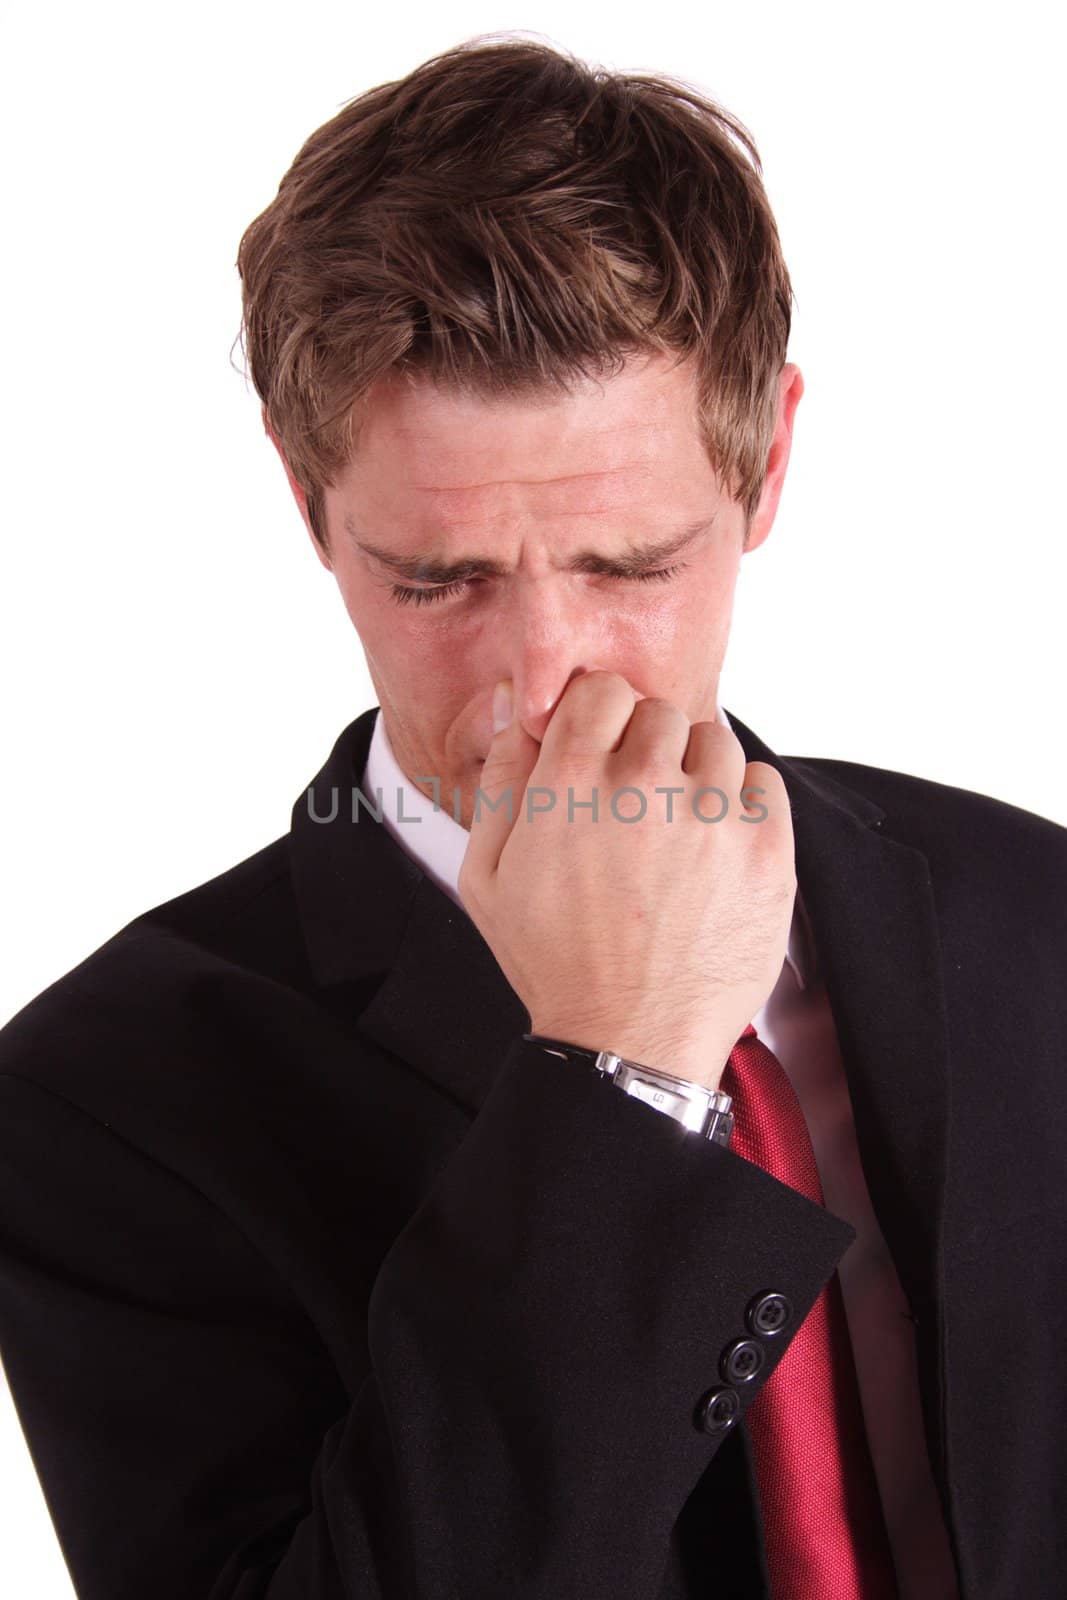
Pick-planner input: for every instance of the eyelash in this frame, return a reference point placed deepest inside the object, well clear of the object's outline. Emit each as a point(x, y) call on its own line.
point(405, 596)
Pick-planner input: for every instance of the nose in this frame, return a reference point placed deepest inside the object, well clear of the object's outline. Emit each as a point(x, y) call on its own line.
point(543, 644)
point(535, 705)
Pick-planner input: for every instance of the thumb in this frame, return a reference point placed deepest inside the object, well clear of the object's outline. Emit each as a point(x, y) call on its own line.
point(499, 798)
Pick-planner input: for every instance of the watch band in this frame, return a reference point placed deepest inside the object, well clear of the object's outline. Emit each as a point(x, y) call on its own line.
point(703, 1111)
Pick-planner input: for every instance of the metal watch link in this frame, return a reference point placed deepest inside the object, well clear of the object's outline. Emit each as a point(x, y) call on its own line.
point(704, 1111)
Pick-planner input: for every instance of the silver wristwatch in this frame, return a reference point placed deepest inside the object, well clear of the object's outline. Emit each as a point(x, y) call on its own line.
point(704, 1111)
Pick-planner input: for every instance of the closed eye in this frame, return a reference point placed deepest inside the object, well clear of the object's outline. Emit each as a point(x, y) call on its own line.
point(407, 596)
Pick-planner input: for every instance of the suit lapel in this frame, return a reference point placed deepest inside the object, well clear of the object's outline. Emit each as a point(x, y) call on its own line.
point(367, 911)
point(442, 1004)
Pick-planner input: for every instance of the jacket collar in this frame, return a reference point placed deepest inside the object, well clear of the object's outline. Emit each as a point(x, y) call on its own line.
point(441, 1002)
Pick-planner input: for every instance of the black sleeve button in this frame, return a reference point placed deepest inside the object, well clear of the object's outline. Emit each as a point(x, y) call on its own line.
point(768, 1313)
point(718, 1411)
point(741, 1360)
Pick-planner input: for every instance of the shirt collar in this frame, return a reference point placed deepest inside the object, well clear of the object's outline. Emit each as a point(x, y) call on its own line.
point(436, 842)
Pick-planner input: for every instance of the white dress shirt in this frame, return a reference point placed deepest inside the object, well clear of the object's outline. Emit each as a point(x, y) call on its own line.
point(795, 1023)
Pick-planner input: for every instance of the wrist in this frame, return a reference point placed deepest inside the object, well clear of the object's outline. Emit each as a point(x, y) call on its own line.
point(701, 1108)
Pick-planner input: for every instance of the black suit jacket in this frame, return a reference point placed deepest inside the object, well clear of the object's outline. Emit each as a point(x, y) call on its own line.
point(316, 1281)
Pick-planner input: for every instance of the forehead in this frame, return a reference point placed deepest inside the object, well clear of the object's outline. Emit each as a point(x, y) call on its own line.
point(608, 445)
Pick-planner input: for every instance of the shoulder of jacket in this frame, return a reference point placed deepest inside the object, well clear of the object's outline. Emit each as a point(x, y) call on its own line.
point(924, 806)
point(991, 864)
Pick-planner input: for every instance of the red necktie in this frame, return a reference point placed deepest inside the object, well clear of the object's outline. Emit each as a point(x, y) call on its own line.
point(823, 1524)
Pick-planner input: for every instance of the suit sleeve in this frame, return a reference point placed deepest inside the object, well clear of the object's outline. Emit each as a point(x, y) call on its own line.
point(540, 1338)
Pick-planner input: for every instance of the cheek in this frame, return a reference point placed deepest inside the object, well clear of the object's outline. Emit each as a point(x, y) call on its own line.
point(664, 622)
point(387, 631)
point(419, 660)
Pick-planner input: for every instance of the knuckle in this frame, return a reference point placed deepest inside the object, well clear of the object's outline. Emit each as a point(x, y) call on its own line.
point(714, 732)
point(596, 682)
point(711, 745)
point(655, 704)
point(654, 719)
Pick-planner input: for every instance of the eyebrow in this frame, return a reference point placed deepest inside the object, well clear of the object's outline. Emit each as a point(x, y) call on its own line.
point(636, 559)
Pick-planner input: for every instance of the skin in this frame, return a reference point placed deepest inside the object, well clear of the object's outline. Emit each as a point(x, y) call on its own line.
point(530, 485)
point(674, 932)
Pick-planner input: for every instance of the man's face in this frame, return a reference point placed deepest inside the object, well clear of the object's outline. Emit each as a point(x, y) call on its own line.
point(559, 495)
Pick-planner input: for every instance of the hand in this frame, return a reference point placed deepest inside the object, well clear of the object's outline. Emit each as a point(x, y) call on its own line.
point(659, 939)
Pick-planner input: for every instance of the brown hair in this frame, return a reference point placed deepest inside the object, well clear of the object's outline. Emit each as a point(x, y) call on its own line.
point(504, 220)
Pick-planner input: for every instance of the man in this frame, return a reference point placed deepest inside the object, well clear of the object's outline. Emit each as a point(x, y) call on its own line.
point(372, 1223)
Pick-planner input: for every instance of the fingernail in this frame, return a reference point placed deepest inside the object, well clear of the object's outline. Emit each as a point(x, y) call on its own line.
point(502, 705)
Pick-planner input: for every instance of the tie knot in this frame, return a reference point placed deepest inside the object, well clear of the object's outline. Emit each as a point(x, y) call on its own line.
point(749, 1032)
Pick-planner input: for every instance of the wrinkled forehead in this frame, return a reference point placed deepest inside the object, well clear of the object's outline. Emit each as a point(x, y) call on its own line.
point(617, 445)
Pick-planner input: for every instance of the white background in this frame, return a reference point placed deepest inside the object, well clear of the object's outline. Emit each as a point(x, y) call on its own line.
point(176, 662)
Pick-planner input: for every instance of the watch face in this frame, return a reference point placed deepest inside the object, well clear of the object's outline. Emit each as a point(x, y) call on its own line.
point(690, 1110)
point(653, 1095)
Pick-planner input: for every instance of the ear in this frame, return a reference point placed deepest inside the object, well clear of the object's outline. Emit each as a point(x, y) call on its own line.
point(790, 389)
point(299, 494)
